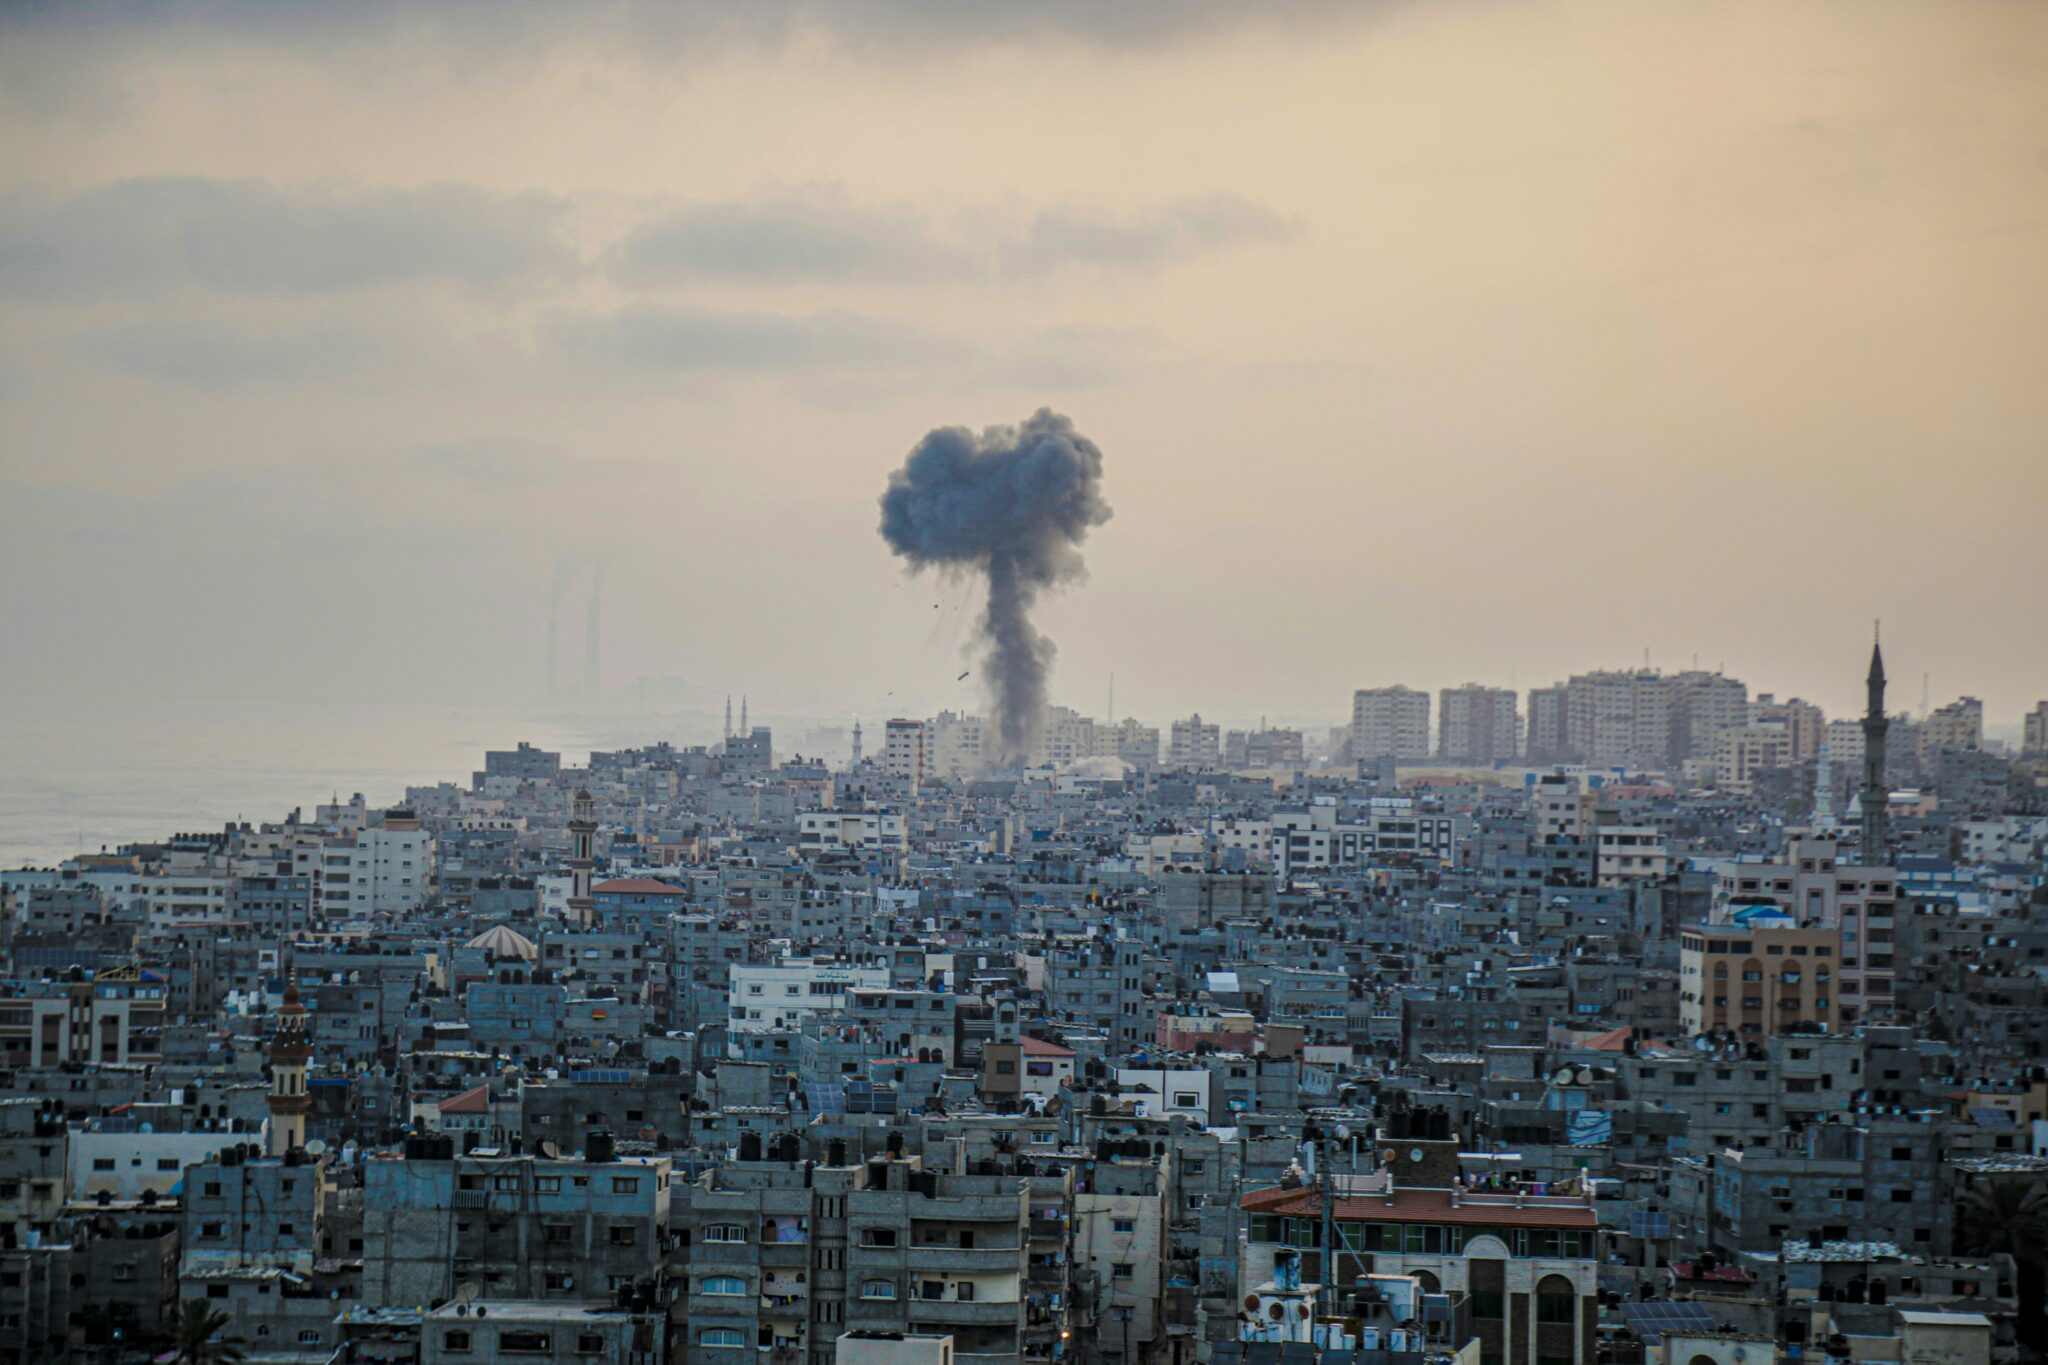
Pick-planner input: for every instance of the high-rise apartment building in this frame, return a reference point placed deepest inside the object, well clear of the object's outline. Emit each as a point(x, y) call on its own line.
point(1803, 723)
point(957, 745)
point(1620, 719)
point(1068, 735)
point(1194, 744)
point(1546, 742)
point(2034, 731)
point(903, 751)
point(1478, 724)
point(1958, 725)
point(1390, 722)
point(1704, 706)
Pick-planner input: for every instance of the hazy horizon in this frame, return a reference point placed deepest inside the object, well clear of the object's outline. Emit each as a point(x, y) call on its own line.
point(1424, 344)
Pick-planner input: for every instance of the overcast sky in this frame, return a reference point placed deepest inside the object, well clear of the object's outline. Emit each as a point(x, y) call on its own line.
point(1425, 342)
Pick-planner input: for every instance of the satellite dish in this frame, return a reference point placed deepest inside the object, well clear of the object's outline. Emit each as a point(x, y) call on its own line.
point(316, 1147)
point(1563, 1075)
point(145, 1127)
point(1585, 1075)
point(1703, 1044)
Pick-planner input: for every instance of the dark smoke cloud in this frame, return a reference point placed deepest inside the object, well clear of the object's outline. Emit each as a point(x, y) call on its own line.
point(1013, 504)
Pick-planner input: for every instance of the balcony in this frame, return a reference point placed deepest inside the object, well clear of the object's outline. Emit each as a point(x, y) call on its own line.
point(965, 1260)
point(953, 1313)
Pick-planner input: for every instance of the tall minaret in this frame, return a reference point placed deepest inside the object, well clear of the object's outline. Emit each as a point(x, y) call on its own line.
point(856, 742)
point(289, 1053)
point(1876, 795)
point(582, 834)
point(744, 731)
point(728, 716)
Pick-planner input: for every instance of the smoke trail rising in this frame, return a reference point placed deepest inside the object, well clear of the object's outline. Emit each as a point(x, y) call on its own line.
point(1013, 505)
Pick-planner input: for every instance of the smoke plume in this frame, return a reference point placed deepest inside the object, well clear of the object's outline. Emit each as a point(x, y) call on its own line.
point(564, 568)
point(593, 631)
point(1013, 505)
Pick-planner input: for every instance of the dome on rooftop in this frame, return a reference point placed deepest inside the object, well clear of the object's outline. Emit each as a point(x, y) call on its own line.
point(504, 942)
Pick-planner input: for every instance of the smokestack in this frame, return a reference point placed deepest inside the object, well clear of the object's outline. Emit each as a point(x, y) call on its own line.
point(555, 595)
point(1013, 505)
point(593, 629)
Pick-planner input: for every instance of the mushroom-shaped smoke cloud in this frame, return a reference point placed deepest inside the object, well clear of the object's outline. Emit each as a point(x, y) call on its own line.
point(1013, 504)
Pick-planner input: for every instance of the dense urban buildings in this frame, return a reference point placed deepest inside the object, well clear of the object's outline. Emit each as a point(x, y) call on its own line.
point(1683, 1025)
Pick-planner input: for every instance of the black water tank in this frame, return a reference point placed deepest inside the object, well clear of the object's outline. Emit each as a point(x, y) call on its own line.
point(750, 1146)
point(835, 1152)
point(598, 1146)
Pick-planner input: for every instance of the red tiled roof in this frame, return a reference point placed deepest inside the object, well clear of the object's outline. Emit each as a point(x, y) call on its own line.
point(1732, 1274)
point(639, 886)
point(1427, 1206)
point(477, 1101)
point(1038, 1047)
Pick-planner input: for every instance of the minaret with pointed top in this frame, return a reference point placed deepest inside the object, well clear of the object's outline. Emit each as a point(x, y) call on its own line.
point(290, 1051)
point(856, 743)
point(1876, 796)
point(728, 715)
point(582, 837)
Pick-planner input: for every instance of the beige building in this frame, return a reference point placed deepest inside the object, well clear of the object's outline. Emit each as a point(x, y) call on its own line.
point(116, 1017)
point(1619, 719)
point(1195, 744)
point(1628, 853)
point(1390, 722)
point(1030, 1066)
point(1804, 723)
point(1816, 885)
point(1478, 724)
point(1751, 749)
point(904, 752)
point(1758, 979)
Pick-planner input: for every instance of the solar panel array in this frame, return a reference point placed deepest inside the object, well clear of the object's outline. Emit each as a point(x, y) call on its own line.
point(1650, 1321)
point(1648, 1225)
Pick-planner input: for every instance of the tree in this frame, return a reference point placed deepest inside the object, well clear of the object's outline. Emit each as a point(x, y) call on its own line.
point(197, 1327)
point(2009, 1214)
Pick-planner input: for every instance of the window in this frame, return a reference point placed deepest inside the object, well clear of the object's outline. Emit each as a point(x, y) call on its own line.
point(720, 1336)
point(1125, 1224)
point(623, 1235)
point(455, 1341)
point(625, 1184)
point(589, 1344)
point(729, 1232)
point(725, 1284)
point(525, 1343)
point(103, 1163)
point(1120, 1271)
point(547, 1184)
point(167, 1163)
point(557, 1234)
point(1556, 1300)
point(309, 1336)
point(878, 1237)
